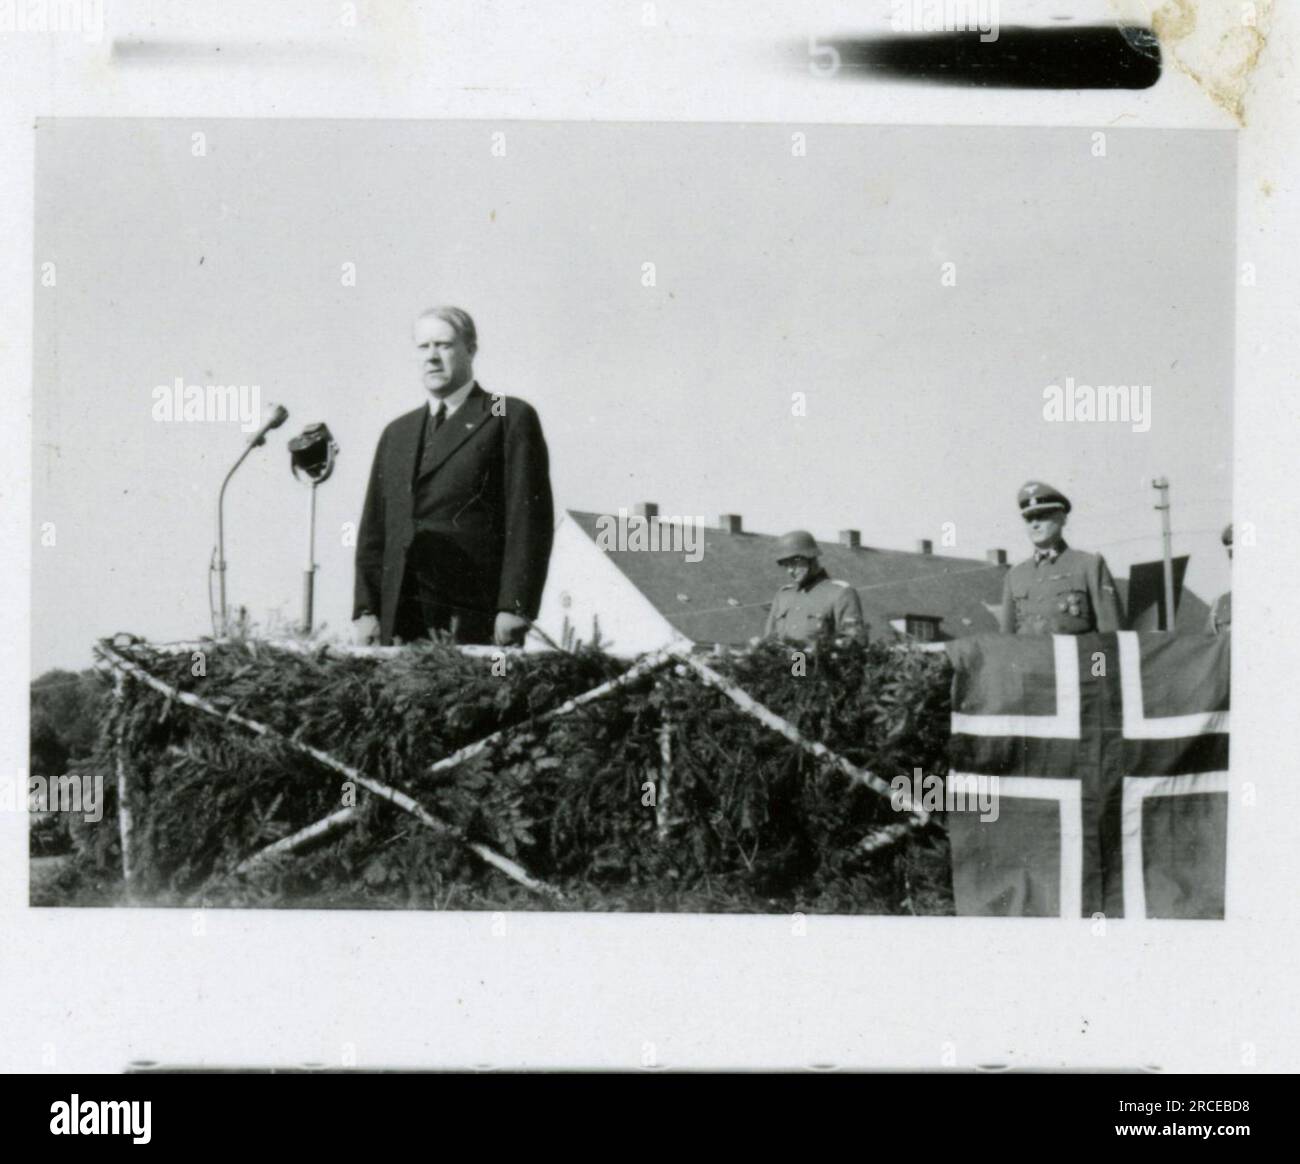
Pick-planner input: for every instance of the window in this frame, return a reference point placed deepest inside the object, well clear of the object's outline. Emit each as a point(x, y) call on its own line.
point(922, 627)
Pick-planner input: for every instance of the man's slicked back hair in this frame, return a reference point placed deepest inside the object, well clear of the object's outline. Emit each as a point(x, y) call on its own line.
point(460, 320)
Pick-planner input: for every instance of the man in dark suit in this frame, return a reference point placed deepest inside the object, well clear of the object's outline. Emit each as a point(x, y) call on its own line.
point(458, 522)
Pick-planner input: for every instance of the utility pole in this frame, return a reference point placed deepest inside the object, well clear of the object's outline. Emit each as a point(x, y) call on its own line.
point(1167, 537)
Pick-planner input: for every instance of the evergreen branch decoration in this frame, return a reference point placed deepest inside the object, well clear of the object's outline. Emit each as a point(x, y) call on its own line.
point(517, 755)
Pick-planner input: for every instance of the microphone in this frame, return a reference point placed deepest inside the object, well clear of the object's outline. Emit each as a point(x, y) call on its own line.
point(278, 416)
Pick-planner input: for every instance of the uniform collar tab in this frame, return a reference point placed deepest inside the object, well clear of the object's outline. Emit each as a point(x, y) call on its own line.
point(814, 576)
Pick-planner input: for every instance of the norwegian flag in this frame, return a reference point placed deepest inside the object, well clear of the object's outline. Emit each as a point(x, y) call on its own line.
point(1107, 759)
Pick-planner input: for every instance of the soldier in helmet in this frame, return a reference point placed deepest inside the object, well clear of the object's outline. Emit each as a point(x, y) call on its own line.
point(1221, 611)
point(1059, 590)
point(811, 602)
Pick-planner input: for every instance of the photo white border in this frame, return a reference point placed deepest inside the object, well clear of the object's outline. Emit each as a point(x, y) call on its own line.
point(92, 990)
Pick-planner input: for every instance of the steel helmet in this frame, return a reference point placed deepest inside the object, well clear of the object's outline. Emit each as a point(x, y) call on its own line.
point(798, 543)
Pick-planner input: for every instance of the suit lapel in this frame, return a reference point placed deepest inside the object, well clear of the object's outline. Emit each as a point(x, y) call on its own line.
point(456, 430)
point(406, 443)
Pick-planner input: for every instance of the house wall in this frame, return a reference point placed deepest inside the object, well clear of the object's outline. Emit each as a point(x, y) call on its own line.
point(583, 584)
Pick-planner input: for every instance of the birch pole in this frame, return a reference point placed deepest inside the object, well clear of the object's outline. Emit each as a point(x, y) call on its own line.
point(123, 787)
point(394, 796)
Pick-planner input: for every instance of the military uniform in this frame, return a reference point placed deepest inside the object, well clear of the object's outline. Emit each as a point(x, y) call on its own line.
point(1221, 615)
point(1058, 591)
point(820, 603)
point(1221, 612)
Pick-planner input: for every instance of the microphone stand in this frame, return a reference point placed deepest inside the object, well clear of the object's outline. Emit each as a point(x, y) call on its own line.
point(311, 458)
point(309, 574)
point(258, 440)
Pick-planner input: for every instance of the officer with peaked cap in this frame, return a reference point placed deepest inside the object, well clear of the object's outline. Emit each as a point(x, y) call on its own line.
point(1059, 590)
point(811, 602)
point(1221, 611)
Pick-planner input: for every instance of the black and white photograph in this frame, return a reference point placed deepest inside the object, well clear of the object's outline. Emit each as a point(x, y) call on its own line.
point(551, 517)
point(706, 518)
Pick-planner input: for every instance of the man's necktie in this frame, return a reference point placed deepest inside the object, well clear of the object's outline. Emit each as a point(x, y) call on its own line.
point(436, 421)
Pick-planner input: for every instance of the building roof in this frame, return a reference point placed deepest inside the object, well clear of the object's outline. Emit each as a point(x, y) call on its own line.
point(724, 596)
point(1145, 586)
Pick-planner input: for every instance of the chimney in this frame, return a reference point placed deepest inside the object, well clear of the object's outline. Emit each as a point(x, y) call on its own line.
point(851, 538)
point(924, 546)
point(997, 557)
point(730, 522)
point(645, 509)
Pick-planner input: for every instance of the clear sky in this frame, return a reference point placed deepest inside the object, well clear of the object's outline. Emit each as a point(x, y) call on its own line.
point(774, 273)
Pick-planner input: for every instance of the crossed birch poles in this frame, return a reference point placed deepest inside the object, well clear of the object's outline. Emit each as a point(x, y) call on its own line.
point(113, 659)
